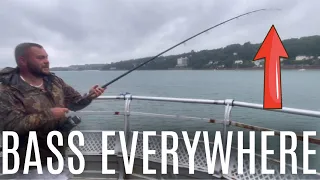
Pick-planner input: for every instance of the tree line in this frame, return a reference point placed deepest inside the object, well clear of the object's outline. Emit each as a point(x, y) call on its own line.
point(223, 57)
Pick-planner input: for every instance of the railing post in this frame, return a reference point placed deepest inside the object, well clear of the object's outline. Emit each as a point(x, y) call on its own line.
point(127, 129)
point(226, 123)
point(127, 133)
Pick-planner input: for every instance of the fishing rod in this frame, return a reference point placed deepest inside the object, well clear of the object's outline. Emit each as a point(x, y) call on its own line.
point(124, 74)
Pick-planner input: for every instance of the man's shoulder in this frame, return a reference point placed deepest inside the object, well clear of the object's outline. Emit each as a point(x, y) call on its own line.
point(56, 79)
point(7, 94)
point(5, 89)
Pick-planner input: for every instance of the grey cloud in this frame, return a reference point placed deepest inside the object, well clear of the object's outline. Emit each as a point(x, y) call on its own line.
point(81, 32)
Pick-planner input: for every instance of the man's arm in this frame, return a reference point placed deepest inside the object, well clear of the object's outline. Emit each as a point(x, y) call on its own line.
point(74, 100)
point(14, 118)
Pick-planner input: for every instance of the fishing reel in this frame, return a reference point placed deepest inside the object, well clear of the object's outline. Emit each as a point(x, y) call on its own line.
point(70, 123)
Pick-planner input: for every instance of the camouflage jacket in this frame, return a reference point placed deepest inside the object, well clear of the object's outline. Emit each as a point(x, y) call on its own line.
point(24, 108)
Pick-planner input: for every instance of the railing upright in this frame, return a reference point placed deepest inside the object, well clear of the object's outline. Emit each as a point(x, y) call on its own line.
point(226, 123)
point(127, 133)
point(127, 127)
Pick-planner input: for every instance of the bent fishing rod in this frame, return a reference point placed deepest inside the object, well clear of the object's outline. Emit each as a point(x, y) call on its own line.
point(124, 74)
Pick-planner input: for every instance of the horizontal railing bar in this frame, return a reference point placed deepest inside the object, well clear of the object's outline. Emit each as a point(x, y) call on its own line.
point(167, 99)
point(109, 98)
point(91, 112)
point(296, 111)
point(283, 110)
point(182, 100)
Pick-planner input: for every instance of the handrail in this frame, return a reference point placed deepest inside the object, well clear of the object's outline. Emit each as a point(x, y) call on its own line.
point(287, 110)
point(227, 102)
point(167, 99)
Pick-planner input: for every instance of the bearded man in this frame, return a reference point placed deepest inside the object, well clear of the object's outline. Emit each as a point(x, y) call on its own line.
point(34, 99)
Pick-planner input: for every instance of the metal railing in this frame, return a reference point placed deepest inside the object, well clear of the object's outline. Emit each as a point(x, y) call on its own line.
point(226, 122)
point(228, 103)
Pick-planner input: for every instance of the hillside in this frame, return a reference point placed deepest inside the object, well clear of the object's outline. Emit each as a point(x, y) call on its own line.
point(302, 52)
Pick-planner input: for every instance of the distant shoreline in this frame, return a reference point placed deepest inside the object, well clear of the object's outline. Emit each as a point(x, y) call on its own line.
point(189, 69)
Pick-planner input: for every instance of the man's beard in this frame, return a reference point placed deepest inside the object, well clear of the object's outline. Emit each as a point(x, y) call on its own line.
point(35, 71)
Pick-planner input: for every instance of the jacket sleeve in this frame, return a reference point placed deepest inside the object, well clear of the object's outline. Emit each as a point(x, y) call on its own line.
point(73, 99)
point(14, 118)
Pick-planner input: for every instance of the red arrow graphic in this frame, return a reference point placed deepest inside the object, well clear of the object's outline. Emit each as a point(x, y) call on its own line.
point(272, 49)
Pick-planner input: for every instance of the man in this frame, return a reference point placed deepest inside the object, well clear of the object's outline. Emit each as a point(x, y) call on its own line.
point(34, 99)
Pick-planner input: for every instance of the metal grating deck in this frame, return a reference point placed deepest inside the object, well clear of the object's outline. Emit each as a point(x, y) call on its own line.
point(93, 146)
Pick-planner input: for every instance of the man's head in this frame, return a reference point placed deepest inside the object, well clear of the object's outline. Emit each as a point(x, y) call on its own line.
point(33, 58)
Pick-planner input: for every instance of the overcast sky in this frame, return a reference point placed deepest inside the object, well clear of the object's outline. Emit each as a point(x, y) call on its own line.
point(104, 31)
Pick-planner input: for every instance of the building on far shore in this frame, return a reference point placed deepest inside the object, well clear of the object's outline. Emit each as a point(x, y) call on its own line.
point(302, 58)
point(238, 62)
point(182, 62)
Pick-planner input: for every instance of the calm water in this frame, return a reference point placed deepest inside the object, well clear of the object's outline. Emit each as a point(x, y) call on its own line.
point(299, 90)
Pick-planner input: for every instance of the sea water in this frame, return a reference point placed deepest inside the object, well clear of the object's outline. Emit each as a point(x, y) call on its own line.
point(300, 89)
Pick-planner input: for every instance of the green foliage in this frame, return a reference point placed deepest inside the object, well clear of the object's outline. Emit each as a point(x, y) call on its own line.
point(225, 57)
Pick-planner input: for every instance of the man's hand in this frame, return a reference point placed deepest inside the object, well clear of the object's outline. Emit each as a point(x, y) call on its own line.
point(59, 112)
point(96, 91)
